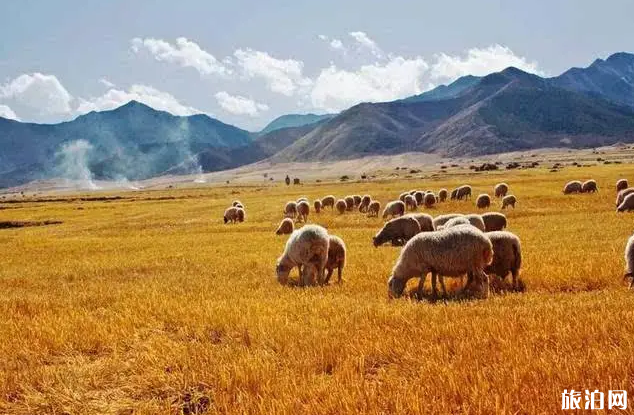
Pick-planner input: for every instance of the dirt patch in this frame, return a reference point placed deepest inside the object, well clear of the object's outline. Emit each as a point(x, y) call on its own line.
point(24, 224)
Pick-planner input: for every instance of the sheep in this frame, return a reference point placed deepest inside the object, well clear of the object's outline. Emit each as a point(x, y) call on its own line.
point(231, 215)
point(336, 258)
point(424, 220)
point(410, 202)
point(501, 189)
point(574, 186)
point(303, 209)
point(629, 261)
point(419, 196)
point(622, 194)
point(463, 192)
point(508, 200)
point(476, 220)
point(402, 196)
point(429, 200)
point(357, 200)
point(241, 214)
point(627, 205)
point(483, 201)
point(328, 201)
point(349, 202)
point(442, 219)
point(239, 206)
point(286, 227)
point(458, 220)
point(398, 231)
point(365, 203)
point(307, 249)
point(302, 199)
point(507, 256)
point(341, 206)
point(317, 206)
point(373, 208)
point(451, 252)
point(290, 210)
point(442, 195)
point(237, 202)
point(393, 209)
point(454, 194)
point(493, 221)
point(621, 184)
point(589, 186)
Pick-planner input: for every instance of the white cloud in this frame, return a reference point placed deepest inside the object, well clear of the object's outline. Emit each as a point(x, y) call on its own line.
point(184, 53)
point(283, 76)
point(480, 62)
point(334, 44)
point(238, 105)
point(365, 41)
point(106, 83)
point(6, 112)
point(148, 95)
point(336, 89)
point(41, 93)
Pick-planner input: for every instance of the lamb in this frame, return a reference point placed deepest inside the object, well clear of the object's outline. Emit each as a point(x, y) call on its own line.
point(627, 205)
point(410, 202)
point(442, 195)
point(303, 209)
point(574, 186)
point(233, 215)
point(402, 196)
point(419, 196)
point(451, 252)
point(425, 221)
point(508, 200)
point(463, 192)
point(290, 210)
point(483, 201)
point(307, 249)
point(398, 231)
point(501, 189)
point(357, 200)
point(349, 202)
point(393, 209)
point(629, 261)
point(429, 200)
point(507, 256)
point(317, 206)
point(589, 186)
point(365, 203)
point(621, 184)
point(442, 219)
point(286, 227)
point(328, 201)
point(336, 258)
point(622, 194)
point(341, 206)
point(493, 221)
point(373, 208)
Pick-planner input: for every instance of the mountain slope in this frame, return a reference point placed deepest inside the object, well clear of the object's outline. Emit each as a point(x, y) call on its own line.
point(294, 120)
point(445, 91)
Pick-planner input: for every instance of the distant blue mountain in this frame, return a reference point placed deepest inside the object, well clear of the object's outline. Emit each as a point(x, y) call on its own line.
point(294, 120)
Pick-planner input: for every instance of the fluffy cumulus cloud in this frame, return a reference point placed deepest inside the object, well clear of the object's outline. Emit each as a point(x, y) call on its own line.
point(364, 40)
point(40, 93)
point(6, 112)
point(238, 105)
point(183, 52)
point(480, 62)
point(148, 95)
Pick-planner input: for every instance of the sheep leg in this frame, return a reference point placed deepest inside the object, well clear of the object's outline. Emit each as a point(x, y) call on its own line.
point(421, 286)
point(434, 289)
point(514, 275)
point(442, 284)
point(339, 272)
point(328, 275)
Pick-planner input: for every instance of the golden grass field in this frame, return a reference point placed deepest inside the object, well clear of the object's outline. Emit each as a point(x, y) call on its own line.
point(153, 305)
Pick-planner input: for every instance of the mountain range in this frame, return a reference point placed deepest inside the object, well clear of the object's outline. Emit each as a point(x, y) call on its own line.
point(503, 111)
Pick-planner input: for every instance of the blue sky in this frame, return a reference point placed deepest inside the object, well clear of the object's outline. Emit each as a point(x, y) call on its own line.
point(246, 62)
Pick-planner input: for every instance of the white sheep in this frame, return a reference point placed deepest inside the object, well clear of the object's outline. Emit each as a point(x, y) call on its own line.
point(501, 189)
point(394, 209)
point(494, 221)
point(629, 261)
point(290, 210)
point(429, 200)
point(621, 184)
point(621, 195)
point(397, 231)
point(410, 202)
point(307, 249)
point(336, 258)
point(341, 206)
point(425, 221)
point(451, 252)
point(507, 256)
point(303, 209)
point(627, 205)
point(286, 227)
point(373, 208)
point(442, 195)
point(317, 206)
point(509, 200)
point(328, 201)
point(574, 186)
point(483, 201)
point(589, 186)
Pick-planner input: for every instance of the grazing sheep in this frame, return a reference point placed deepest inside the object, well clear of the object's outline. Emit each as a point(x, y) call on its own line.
point(629, 260)
point(231, 215)
point(402, 196)
point(442, 219)
point(410, 202)
point(627, 205)
point(507, 256)
point(317, 206)
point(483, 201)
point(349, 202)
point(303, 209)
point(442, 195)
point(373, 208)
point(241, 214)
point(501, 189)
point(621, 184)
point(302, 199)
point(574, 186)
point(454, 194)
point(425, 221)
point(463, 192)
point(419, 196)
point(476, 220)
point(286, 227)
point(290, 210)
point(393, 209)
point(357, 200)
point(429, 200)
point(458, 220)
point(589, 186)
point(336, 258)
point(509, 200)
point(236, 202)
point(622, 194)
point(328, 201)
point(451, 252)
point(307, 249)
point(341, 206)
point(493, 221)
point(365, 203)
point(398, 231)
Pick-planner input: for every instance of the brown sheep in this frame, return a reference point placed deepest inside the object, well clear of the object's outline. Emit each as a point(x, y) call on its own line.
point(509, 200)
point(303, 209)
point(317, 206)
point(349, 203)
point(429, 200)
point(621, 184)
point(373, 208)
point(483, 201)
point(286, 227)
point(589, 186)
point(341, 206)
point(397, 231)
point(442, 195)
point(336, 258)
point(501, 189)
point(328, 201)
